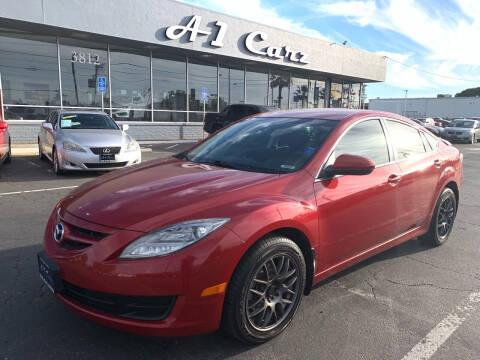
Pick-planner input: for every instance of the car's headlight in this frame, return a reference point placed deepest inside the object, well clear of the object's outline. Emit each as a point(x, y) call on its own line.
point(70, 146)
point(171, 238)
point(132, 145)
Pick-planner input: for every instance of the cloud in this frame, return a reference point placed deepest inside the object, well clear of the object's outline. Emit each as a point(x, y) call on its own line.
point(449, 40)
point(254, 11)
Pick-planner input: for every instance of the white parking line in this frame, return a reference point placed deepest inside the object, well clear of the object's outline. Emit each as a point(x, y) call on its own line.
point(171, 146)
point(440, 333)
point(37, 190)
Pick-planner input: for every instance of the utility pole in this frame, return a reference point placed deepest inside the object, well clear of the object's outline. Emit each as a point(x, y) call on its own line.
point(405, 104)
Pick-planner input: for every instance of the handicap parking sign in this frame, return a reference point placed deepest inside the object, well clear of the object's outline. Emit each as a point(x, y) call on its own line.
point(101, 84)
point(204, 94)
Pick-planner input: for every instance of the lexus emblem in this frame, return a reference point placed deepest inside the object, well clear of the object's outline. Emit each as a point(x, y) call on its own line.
point(58, 234)
point(106, 151)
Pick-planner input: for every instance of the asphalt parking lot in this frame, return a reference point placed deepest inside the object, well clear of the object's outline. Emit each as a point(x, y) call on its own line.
point(402, 304)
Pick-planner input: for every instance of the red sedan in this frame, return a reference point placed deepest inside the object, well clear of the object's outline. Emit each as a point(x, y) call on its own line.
point(234, 231)
point(5, 142)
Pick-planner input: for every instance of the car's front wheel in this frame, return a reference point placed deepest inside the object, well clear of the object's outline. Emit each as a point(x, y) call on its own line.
point(265, 290)
point(443, 218)
point(56, 164)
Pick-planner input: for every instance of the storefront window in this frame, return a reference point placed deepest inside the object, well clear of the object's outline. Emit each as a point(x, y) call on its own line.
point(257, 87)
point(336, 95)
point(130, 82)
point(231, 86)
point(316, 94)
point(169, 83)
point(346, 95)
point(29, 68)
point(279, 85)
point(355, 96)
point(169, 116)
point(299, 93)
point(81, 62)
point(202, 75)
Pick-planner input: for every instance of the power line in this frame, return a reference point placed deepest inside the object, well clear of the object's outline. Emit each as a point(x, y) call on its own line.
point(432, 73)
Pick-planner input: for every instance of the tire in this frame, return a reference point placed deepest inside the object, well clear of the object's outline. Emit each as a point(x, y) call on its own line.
point(258, 292)
point(41, 156)
point(56, 166)
point(8, 159)
point(472, 140)
point(443, 219)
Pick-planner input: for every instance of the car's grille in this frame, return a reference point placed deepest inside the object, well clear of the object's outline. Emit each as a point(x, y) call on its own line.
point(105, 165)
point(105, 150)
point(77, 238)
point(88, 233)
point(133, 307)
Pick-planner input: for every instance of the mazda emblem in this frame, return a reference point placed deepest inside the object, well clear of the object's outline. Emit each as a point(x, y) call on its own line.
point(58, 234)
point(106, 151)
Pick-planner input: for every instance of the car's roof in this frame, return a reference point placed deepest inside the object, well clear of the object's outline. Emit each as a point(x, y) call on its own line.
point(331, 114)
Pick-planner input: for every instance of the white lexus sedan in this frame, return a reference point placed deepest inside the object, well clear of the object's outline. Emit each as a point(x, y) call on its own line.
point(86, 140)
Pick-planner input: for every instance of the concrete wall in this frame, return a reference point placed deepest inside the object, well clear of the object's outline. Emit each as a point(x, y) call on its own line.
point(431, 107)
point(27, 131)
point(147, 20)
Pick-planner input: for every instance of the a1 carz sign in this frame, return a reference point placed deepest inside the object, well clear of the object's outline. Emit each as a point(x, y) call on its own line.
point(192, 29)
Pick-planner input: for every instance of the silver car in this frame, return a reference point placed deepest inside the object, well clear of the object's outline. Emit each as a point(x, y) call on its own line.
point(86, 140)
point(464, 130)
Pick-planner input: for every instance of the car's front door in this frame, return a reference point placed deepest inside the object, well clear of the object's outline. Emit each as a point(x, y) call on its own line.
point(50, 134)
point(357, 212)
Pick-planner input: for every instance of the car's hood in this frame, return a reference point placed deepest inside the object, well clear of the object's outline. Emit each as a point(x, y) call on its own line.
point(170, 188)
point(95, 137)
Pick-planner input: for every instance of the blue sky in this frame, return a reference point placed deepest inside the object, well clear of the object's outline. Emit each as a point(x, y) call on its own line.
point(431, 36)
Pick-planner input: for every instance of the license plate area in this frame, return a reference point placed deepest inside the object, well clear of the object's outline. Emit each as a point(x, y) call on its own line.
point(49, 272)
point(107, 157)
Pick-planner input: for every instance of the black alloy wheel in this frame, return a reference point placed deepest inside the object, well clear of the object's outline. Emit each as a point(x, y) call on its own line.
point(8, 159)
point(443, 218)
point(56, 165)
point(265, 290)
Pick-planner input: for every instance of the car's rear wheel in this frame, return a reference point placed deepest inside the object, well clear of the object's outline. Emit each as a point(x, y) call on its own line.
point(56, 164)
point(443, 218)
point(8, 159)
point(265, 290)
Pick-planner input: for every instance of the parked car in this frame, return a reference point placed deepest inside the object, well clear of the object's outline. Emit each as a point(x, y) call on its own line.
point(463, 130)
point(234, 231)
point(438, 131)
point(232, 113)
point(86, 140)
point(427, 121)
point(440, 122)
point(5, 142)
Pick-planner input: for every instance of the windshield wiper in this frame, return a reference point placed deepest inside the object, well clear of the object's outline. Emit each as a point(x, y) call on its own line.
point(182, 156)
point(220, 163)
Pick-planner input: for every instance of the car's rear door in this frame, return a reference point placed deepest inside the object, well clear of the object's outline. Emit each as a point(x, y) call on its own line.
point(421, 167)
point(357, 212)
point(50, 134)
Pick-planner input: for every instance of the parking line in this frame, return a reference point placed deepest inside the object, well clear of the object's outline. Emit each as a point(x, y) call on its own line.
point(171, 146)
point(37, 190)
point(440, 333)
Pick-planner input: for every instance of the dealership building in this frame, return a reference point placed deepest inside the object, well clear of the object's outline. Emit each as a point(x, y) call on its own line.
point(159, 64)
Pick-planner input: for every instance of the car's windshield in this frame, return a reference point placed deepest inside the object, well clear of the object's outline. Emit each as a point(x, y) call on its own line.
point(463, 124)
point(264, 144)
point(87, 121)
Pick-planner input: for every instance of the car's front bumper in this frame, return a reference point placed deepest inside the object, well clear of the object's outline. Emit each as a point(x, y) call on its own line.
point(88, 161)
point(183, 275)
point(458, 137)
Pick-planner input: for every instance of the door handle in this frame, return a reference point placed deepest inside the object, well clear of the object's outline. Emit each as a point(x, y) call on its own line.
point(437, 163)
point(394, 179)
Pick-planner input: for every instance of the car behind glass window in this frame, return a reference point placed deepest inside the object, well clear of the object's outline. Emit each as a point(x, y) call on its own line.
point(365, 139)
point(264, 144)
point(406, 139)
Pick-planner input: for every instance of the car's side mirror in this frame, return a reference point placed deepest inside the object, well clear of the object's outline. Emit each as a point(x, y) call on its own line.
point(3, 125)
point(47, 126)
point(125, 127)
point(347, 164)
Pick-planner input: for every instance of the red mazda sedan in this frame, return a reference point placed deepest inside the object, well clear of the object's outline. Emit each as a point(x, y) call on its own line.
point(234, 231)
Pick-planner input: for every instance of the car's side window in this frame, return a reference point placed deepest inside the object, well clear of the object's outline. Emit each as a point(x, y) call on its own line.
point(54, 119)
point(406, 139)
point(367, 139)
point(432, 141)
point(426, 143)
